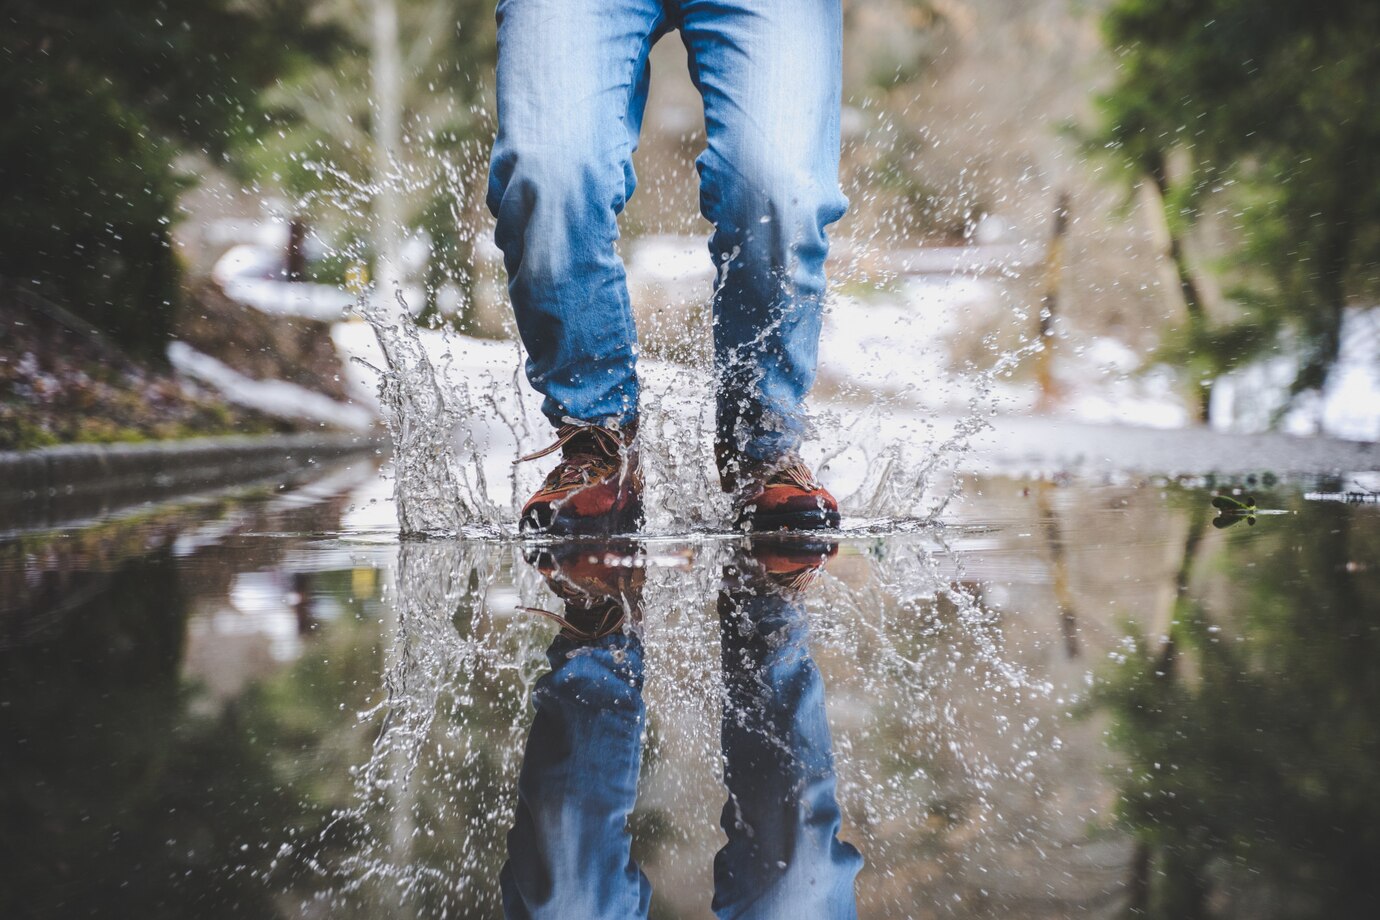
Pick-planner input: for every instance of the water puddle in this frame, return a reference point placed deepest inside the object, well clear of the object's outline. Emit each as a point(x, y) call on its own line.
point(268, 705)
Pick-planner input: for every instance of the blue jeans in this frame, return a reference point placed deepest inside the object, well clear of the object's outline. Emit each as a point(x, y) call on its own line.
point(569, 849)
point(572, 83)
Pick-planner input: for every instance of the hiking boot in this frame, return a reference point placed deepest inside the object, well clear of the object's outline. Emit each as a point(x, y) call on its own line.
point(776, 496)
point(595, 489)
point(599, 584)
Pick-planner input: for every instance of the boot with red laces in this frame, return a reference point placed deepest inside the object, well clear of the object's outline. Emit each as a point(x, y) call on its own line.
point(595, 489)
point(783, 495)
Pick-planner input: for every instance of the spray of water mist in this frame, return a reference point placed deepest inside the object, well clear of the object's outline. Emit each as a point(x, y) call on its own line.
point(439, 466)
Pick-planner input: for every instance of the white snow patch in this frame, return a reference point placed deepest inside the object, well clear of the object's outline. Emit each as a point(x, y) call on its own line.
point(274, 397)
point(670, 258)
point(1251, 398)
point(255, 276)
point(899, 348)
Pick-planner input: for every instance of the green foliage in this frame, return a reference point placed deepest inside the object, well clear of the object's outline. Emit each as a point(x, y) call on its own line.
point(1234, 505)
point(317, 145)
point(101, 98)
point(1251, 742)
point(1267, 104)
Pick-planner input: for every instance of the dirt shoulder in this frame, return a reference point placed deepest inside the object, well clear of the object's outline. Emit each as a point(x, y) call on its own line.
point(63, 383)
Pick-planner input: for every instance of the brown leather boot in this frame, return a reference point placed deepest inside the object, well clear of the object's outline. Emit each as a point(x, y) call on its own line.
point(595, 489)
point(783, 495)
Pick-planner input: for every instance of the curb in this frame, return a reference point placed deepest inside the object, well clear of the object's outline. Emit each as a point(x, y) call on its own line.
point(52, 483)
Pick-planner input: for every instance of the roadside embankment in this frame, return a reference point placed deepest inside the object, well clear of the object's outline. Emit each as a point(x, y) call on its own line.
point(53, 484)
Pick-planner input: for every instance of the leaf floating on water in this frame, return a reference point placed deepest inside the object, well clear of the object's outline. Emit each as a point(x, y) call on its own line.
point(1233, 510)
point(1234, 506)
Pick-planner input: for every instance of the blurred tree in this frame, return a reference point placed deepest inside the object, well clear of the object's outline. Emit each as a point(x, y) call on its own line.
point(100, 100)
point(1260, 108)
point(321, 149)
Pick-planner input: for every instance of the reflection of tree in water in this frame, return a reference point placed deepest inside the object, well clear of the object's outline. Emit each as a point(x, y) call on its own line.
point(116, 802)
point(123, 794)
point(1251, 732)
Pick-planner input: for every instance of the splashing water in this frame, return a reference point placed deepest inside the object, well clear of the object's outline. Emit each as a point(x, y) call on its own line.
point(903, 629)
point(439, 485)
point(458, 413)
point(457, 425)
point(910, 650)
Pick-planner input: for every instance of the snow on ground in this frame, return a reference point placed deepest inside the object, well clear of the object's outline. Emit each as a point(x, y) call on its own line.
point(255, 275)
point(669, 259)
point(897, 347)
point(1102, 384)
point(1253, 398)
point(901, 349)
point(888, 396)
point(273, 397)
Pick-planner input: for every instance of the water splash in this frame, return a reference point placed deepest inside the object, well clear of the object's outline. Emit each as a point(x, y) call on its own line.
point(437, 468)
point(909, 647)
point(456, 429)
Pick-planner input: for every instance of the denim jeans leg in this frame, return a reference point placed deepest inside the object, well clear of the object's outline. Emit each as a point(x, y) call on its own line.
point(572, 83)
point(770, 75)
point(569, 851)
point(783, 859)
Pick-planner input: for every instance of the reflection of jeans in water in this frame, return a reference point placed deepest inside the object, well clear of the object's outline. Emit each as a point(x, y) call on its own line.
point(569, 847)
point(783, 858)
point(568, 851)
point(572, 83)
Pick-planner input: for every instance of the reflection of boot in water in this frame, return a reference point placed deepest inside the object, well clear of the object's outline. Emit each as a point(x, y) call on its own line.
point(599, 582)
point(783, 856)
point(570, 850)
point(784, 565)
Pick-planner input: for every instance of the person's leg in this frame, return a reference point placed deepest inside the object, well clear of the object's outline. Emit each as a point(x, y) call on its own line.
point(569, 849)
point(572, 81)
point(770, 75)
point(783, 858)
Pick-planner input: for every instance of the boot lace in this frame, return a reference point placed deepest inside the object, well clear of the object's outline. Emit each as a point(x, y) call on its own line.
point(795, 474)
point(592, 452)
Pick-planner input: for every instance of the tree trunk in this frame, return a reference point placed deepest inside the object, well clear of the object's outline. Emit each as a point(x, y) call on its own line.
point(296, 251)
point(1329, 286)
point(386, 69)
point(1171, 246)
point(1049, 304)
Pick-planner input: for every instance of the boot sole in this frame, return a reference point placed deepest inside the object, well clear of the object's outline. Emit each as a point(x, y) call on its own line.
point(814, 519)
point(625, 520)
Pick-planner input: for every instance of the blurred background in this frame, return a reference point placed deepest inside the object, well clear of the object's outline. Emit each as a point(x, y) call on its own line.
point(1172, 206)
point(1068, 218)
